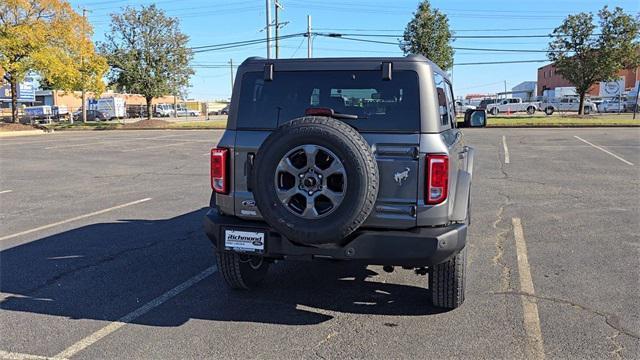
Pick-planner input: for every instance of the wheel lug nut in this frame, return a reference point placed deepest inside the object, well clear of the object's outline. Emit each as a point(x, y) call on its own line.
point(301, 175)
point(310, 192)
point(319, 176)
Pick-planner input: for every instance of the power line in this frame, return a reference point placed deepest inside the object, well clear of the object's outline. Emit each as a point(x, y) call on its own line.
point(501, 62)
point(223, 46)
point(478, 86)
point(454, 30)
point(339, 36)
point(467, 36)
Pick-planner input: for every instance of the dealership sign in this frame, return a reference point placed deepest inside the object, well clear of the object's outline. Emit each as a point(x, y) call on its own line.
point(612, 88)
point(26, 91)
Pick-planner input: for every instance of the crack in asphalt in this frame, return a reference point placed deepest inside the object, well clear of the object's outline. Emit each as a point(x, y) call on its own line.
point(316, 347)
point(100, 261)
point(618, 347)
point(501, 236)
point(612, 320)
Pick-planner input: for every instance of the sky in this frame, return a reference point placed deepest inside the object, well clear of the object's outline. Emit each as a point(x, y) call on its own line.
point(216, 22)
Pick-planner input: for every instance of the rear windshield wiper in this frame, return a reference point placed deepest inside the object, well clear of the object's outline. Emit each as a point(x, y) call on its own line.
point(324, 111)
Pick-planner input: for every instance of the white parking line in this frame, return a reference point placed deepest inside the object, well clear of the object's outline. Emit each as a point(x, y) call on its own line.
point(605, 150)
point(19, 356)
point(7, 237)
point(154, 147)
point(506, 150)
point(535, 344)
point(96, 336)
point(5, 191)
point(74, 145)
point(114, 140)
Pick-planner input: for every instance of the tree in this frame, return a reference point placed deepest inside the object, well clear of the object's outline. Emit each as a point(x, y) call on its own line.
point(47, 37)
point(584, 57)
point(428, 34)
point(148, 53)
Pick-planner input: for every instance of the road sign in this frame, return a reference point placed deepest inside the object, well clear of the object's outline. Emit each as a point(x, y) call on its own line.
point(26, 91)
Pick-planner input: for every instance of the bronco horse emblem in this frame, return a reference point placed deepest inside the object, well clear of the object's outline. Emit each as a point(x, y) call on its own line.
point(399, 177)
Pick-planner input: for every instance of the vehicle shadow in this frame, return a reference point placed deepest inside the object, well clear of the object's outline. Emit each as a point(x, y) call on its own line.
point(104, 271)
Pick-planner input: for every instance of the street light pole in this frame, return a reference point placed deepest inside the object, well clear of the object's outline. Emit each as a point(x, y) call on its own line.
point(309, 53)
point(82, 79)
point(277, 26)
point(231, 68)
point(268, 29)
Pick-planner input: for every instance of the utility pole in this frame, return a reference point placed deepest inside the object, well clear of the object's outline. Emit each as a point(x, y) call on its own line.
point(82, 79)
point(637, 102)
point(309, 53)
point(175, 106)
point(278, 7)
point(268, 29)
point(505, 89)
point(231, 68)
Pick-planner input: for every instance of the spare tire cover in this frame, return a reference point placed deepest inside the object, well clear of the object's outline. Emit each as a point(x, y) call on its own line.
point(315, 180)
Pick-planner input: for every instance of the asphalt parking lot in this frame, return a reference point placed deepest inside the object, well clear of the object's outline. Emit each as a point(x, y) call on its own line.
point(102, 255)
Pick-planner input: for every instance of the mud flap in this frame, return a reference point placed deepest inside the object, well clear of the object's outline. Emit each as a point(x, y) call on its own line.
point(463, 188)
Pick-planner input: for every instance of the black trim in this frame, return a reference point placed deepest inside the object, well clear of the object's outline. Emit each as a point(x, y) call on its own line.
point(420, 246)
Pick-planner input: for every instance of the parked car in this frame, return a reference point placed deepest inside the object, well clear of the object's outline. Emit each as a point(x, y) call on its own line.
point(187, 112)
point(512, 105)
point(567, 104)
point(343, 159)
point(632, 104)
point(613, 105)
point(462, 108)
point(223, 111)
point(92, 115)
point(164, 110)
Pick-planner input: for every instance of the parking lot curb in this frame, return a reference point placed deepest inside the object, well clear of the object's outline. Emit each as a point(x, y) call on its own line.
point(542, 126)
point(5, 134)
point(128, 129)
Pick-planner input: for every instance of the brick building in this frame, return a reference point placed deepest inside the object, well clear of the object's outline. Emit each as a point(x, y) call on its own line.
point(73, 99)
point(549, 79)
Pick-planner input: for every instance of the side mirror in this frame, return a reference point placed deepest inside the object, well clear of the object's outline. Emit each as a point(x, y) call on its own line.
point(475, 118)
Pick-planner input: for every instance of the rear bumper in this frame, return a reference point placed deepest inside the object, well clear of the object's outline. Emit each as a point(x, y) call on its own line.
point(421, 246)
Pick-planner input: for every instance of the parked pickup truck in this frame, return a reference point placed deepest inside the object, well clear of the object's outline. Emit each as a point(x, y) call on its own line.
point(567, 104)
point(513, 105)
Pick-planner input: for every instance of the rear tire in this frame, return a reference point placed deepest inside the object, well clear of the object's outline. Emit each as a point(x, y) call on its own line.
point(548, 111)
point(242, 272)
point(494, 111)
point(586, 110)
point(447, 281)
point(531, 110)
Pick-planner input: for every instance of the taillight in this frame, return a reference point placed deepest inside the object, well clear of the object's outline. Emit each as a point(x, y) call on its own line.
point(437, 178)
point(219, 178)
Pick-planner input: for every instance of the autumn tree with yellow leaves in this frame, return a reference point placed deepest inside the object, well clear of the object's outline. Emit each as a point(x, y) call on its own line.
point(50, 38)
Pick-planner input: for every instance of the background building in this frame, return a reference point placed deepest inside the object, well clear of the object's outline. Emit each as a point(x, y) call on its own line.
point(549, 79)
point(526, 90)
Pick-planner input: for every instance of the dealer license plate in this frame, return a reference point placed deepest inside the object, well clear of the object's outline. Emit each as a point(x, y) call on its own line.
point(247, 241)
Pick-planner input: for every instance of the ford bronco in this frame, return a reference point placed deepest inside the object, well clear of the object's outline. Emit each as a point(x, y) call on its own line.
point(354, 159)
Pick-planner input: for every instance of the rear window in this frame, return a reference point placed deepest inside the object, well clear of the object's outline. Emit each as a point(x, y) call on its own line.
point(381, 105)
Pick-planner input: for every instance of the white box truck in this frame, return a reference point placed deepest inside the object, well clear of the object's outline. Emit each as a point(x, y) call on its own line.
point(111, 107)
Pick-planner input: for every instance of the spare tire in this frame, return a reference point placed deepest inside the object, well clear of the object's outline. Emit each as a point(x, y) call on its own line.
point(315, 180)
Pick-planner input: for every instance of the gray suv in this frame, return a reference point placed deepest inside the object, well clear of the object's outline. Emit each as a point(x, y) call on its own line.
point(355, 159)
